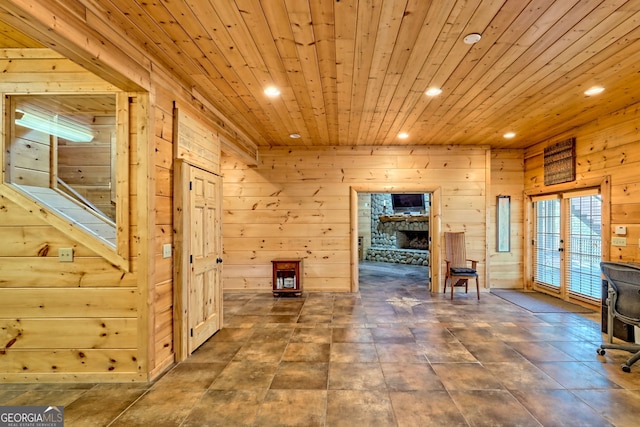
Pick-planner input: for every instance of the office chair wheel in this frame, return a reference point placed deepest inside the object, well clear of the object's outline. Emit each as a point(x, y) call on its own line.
point(601, 351)
point(625, 367)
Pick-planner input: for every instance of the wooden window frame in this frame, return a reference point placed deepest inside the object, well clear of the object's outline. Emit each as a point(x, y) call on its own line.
point(118, 254)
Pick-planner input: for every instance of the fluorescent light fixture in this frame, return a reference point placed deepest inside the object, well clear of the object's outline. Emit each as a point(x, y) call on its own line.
point(509, 135)
point(52, 125)
point(594, 90)
point(272, 91)
point(403, 135)
point(434, 91)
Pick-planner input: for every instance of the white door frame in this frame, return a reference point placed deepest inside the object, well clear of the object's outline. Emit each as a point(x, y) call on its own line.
point(604, 183)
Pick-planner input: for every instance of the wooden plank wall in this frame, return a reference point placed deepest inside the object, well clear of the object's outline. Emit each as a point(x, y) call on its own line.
point(295, 203)
point(607, 146)
point(364, 221)
point(30, 151)
point(61, 321)
point(196, 146)
point(196, 142)
point(506, 269)
point(161, 332)
point(106, 52)
point(87, 166)
point(158, 353)
point(203, 150)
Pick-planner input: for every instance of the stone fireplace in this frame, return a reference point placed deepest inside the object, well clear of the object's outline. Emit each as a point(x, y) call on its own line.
point(397, 237)
point(412, 239)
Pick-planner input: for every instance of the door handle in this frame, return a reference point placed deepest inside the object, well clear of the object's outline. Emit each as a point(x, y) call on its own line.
point(218, 260)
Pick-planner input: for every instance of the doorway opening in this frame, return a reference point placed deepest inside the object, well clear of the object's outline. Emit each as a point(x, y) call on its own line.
point(399, 227)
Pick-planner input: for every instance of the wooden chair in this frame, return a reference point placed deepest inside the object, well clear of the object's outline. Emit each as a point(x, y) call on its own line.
point(458, 271)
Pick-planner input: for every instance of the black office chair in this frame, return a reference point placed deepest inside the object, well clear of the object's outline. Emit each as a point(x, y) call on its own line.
point(623, 302)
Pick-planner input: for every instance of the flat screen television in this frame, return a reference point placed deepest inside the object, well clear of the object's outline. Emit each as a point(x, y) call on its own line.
point(407, 202)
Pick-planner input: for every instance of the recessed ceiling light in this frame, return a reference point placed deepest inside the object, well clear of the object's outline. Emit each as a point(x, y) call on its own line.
point(434, 91)
point(594, 90)
point(294, 135)
point(272, 91)
point(403, 135)
point(472, 38)
point(509, 135)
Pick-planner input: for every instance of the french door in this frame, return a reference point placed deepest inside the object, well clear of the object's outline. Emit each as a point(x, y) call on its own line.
point(567, 245)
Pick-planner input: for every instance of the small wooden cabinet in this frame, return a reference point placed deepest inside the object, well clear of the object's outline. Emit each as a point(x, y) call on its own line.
point(287, 277)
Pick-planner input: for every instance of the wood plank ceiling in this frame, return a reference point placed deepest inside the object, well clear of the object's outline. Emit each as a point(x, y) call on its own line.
point(355, 72)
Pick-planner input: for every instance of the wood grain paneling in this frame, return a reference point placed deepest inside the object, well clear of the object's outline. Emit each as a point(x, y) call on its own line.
point(364, 224)
point(31, 157)
point(95, 362)
point(71, 303)
point(194, 140)
point(61, 321)
point(160, 327)
point(354, 72)
point(339, 90)
point(88, 167)
point(296, 203)
point(506, 269)
point(606, 147)
point(48, 272)
point(56, 333)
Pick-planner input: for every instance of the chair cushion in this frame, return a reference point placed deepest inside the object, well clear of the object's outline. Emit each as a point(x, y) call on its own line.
point(463, 271)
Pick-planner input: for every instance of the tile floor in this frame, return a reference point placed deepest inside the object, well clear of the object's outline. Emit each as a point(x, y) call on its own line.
point(391, 355)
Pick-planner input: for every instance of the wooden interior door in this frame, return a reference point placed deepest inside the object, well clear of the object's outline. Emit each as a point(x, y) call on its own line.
point(198, 302)
point(205, 305)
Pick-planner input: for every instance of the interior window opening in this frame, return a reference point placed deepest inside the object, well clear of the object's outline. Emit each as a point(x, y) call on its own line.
point(62, 153)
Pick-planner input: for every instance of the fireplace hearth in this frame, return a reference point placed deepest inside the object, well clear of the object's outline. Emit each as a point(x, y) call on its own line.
point(412, 239)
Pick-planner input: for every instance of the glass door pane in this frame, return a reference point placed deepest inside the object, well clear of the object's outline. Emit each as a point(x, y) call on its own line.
point(584, 246)
point(547, 243)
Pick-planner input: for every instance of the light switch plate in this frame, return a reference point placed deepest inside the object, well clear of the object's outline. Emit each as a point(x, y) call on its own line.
point(65, 254)
point(619, 241)
point(166, 250)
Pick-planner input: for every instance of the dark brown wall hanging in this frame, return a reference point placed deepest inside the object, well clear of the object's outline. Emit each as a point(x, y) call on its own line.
point(560, 162)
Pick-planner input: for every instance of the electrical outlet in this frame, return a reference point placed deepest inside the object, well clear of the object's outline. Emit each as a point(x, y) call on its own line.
point(65, 255)
point(619, 241)
point(166, 250)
